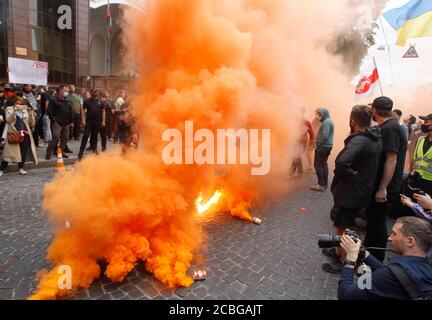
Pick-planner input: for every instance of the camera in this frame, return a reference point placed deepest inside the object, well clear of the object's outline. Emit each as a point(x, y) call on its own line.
point(413, 183)
point(330, 241)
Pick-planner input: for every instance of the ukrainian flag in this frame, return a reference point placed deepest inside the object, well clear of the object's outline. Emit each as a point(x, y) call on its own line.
point(413, 20)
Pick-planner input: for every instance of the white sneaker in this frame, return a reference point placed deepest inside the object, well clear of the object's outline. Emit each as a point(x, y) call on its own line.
point(22, 172)
point(1, 173)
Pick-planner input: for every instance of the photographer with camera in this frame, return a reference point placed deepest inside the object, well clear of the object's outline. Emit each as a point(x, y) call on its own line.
point(356, 168)
point(406, 277)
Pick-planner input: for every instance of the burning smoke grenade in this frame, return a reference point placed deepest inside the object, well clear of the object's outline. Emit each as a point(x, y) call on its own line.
point(251, 64)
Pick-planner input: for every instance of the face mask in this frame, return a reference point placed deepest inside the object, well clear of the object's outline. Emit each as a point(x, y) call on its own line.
point(66, 94)
point(426, 128)
point(19, 114)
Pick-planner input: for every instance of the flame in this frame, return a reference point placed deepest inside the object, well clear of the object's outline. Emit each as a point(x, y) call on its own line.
point(203, 208)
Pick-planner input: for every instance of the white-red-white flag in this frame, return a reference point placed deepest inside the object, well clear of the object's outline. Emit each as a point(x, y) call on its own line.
point(368, 83)
point(109, 20)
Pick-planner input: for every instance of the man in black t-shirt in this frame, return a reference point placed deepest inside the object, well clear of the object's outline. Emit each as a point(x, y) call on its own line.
point(95, 119)
point(389, 178)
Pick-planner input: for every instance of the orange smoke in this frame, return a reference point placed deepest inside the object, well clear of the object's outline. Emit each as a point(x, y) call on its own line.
point(221, 64)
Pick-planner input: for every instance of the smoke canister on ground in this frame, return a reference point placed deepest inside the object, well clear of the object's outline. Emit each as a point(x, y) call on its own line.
point(257, 221)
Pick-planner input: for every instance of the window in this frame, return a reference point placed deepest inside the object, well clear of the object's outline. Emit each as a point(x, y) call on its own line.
point(54, 46)
point(36, 39)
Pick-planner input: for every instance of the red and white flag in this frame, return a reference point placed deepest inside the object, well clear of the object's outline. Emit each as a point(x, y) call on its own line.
point(368, 83)
point(109, 20)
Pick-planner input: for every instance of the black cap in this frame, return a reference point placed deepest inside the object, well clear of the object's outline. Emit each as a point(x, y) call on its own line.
point(426, 118)
point(383, 103)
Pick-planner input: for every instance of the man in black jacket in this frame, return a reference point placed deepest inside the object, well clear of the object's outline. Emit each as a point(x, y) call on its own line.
point(356, 168)
point(408, 274)
point(61, 115)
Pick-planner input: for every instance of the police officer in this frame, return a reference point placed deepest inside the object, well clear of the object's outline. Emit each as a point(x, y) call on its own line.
point(422, 161)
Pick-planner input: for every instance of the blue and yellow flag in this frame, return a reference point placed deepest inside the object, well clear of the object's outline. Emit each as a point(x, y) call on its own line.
point(413, 20)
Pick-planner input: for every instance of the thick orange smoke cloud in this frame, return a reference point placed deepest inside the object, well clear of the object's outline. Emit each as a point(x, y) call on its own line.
point(222, 64)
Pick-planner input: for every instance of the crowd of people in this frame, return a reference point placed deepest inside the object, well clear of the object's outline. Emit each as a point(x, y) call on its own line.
point(57, 116)
point(384, 169)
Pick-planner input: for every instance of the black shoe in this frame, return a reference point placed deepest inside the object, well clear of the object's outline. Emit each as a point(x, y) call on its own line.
point(65, 156)
point(333, 268)
point(89, 149)
point(47, 158)
point(67, 150)
point(330, 253)
point(80, 157)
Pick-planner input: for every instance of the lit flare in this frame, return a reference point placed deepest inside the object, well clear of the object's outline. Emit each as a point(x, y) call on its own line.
point(203, 208)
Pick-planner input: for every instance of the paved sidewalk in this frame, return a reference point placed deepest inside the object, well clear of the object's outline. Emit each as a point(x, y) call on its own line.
point(278, 260)
point(43, 163)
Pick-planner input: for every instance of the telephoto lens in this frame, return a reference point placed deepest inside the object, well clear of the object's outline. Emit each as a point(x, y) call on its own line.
point(326, 241)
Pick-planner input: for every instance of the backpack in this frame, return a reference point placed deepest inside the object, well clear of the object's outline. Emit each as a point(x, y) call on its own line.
point(409, 284)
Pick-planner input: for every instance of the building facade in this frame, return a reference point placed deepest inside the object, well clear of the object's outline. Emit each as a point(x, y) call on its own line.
point(30, 29)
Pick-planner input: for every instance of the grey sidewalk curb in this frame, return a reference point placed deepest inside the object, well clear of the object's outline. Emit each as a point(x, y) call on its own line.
point(43, 164)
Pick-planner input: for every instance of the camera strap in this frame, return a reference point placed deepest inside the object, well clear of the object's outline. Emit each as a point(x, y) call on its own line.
point(406, 281)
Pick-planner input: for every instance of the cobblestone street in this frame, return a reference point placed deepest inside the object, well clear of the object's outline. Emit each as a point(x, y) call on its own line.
point(277, 260)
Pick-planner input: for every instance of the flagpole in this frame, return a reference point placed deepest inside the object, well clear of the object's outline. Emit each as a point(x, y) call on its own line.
point(379, 78)
point(108, 24)
point(388, 48)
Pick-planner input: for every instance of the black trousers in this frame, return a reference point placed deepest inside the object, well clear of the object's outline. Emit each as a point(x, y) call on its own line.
point(92, 129)
point(38, 130)
point(321, 165)
point(104, 137)
point(108, 124)
point(376, 230)
point(115, 126)
point(75, 133)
